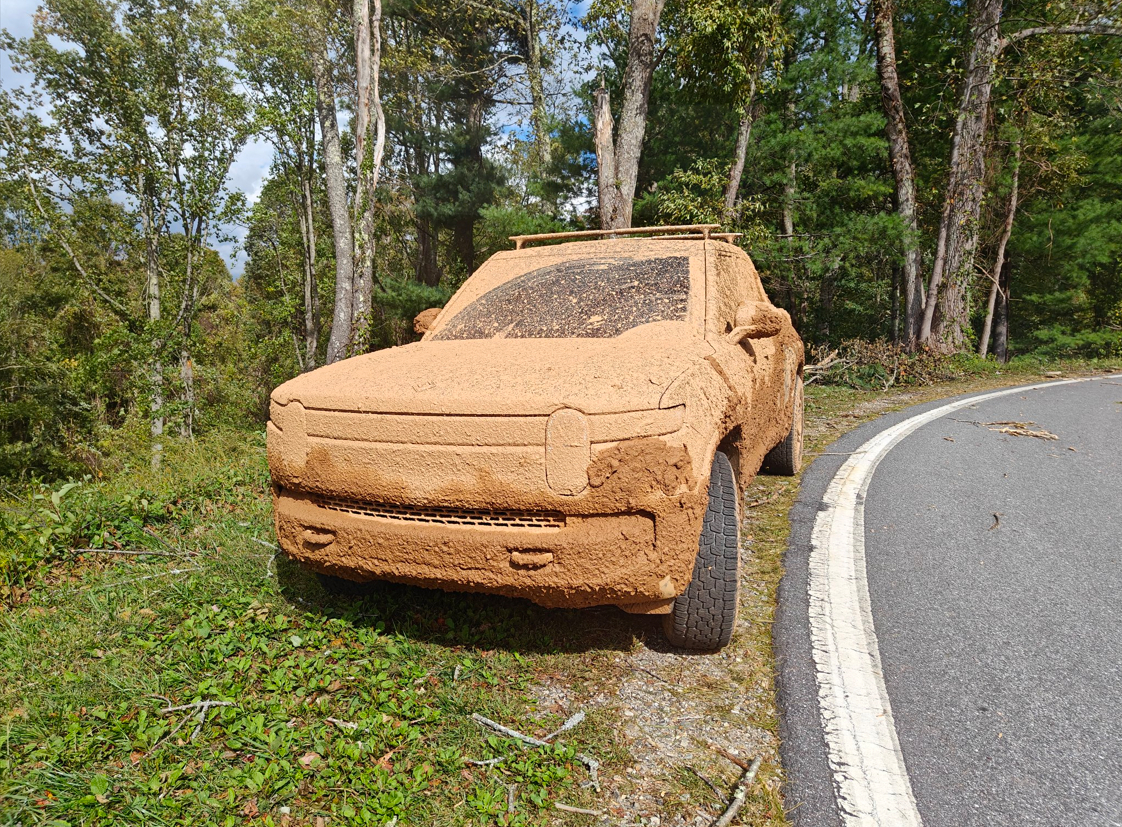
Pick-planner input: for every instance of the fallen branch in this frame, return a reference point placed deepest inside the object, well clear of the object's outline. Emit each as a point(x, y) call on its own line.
point(565, 727)
point(342, 724)
point(716, 790)
point(593, 767)
point(202, 706)
point(567, 809)
point(739, 794)
point(149, 577)
point(589, 762)
point(507, 731)
point(129, 552)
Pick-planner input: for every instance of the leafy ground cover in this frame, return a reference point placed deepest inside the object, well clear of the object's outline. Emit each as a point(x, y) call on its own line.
point(183, 673)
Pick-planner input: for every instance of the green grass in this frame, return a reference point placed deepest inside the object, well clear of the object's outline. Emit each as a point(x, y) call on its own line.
point(354, 712)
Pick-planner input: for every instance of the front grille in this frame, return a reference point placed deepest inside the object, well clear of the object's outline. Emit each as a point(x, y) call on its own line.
point(445, 515)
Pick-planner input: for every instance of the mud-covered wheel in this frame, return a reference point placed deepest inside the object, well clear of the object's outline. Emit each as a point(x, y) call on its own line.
point(704, 616)
point(786, 458)
point(341, 587)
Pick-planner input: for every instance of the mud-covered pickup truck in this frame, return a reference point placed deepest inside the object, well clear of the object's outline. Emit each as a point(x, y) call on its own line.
point(575, 427)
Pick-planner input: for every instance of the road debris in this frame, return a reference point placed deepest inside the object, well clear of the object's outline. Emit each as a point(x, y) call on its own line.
point(739, 794)
point(1013, 428)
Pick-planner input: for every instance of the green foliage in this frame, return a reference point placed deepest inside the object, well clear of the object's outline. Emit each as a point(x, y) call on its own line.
point(352, 711)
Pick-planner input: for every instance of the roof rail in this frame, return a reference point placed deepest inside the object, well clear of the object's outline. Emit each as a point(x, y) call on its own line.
point(677, 232)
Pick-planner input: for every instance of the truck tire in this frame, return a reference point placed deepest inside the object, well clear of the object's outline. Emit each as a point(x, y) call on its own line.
point(786, 458)
point(704, 615)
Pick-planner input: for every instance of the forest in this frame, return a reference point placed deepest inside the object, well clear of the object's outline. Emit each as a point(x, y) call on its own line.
point(936, 178)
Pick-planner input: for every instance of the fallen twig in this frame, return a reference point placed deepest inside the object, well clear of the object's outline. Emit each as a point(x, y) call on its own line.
point(593, 767)
point(510, 791)
point(565, 727)
point(716, 790)
point(740, 762)
point(196, 705)
point(507, 731)
point(202, 706)
point(148, 577)
point(739, 794)
point(342, 724)
point(589, 762)
point(121, 551)
point(567, 809)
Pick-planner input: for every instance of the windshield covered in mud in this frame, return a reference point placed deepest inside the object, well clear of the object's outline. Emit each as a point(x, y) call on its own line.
point(592, 298)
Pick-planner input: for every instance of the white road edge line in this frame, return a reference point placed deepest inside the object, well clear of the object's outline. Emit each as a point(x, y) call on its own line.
point(870, 781)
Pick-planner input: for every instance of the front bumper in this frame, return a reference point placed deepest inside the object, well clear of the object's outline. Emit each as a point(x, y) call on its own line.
point(625, 559)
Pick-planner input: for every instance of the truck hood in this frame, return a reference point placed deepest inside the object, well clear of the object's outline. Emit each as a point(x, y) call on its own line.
point(505, 376)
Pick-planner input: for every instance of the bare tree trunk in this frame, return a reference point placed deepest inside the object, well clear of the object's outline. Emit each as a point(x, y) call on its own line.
point(895, 305)
point(1001, 324)
point(740, 155)
point(538, 115)
point(152, 289)
point(306, 215)
point(336, 200)
point(946, 317)
point(186, 313)
point(368, 161)
point(607, 178)
point(428, 271)
point(618, 164)
point(999, 261)
point(899, 151)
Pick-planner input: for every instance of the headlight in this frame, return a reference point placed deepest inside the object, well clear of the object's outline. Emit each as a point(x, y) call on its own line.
point(287, 439)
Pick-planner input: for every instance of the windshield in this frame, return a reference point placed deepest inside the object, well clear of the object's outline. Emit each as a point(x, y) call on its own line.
point(592, 298)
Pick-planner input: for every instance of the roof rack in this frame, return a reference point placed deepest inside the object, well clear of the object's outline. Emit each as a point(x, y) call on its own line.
point(701, 232)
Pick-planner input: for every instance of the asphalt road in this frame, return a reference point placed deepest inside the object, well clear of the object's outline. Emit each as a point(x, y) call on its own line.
point(1000, 639)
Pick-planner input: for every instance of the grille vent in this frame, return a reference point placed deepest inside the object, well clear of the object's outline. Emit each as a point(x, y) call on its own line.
point(444, 515)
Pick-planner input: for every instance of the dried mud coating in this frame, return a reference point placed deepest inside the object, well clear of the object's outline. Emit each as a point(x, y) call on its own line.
point(424, 320)
point(549, 438)
point(593, 298)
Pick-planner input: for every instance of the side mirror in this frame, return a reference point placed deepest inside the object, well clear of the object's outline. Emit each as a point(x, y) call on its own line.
point(758, 320)
point(423, 321)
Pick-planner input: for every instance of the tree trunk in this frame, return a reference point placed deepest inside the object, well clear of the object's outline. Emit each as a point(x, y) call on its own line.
point(895, 305)
point(306, 215)
point(946, 317)
point(899, 151)
point(736, 172)
point(999, 261)
point(538, 115)
point(336, 200)
point(152, 288)
point(607, 180)
point(368, 162)
point(427, 270)
point(1001, 323)
point(618, 168)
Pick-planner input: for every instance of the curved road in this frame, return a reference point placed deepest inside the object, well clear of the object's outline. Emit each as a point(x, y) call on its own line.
point(941, 665)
